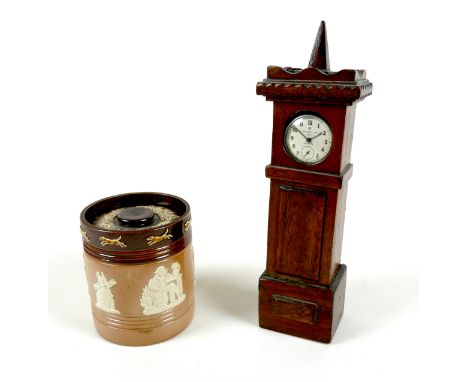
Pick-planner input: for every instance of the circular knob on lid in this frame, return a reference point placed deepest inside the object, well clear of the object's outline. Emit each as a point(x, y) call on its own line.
point(136, 216)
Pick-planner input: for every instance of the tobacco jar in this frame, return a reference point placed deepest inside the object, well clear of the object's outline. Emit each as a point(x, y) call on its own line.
point(139, 266)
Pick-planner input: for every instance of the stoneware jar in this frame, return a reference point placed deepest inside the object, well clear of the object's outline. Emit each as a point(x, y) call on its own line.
point(139, 266)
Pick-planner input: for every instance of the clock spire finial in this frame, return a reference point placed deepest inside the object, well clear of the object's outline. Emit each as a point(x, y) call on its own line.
point(319, 56)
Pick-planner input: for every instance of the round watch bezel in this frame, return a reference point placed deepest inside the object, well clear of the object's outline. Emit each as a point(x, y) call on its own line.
point(291, 122)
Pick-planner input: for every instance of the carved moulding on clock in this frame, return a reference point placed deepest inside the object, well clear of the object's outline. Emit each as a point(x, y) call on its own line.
point(311, 178)
point(315, 91)
point(316, 83)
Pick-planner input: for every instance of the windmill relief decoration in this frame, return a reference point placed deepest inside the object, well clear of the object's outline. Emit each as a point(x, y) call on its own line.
point(104, 296)
point(164, 290)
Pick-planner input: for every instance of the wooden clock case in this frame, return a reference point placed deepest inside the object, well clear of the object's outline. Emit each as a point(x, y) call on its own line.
point(302, 290)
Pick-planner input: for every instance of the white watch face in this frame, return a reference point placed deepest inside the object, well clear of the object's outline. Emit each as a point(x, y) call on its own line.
point(308, 139)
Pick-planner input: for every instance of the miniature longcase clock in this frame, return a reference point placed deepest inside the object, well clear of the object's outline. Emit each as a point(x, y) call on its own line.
point(302, 289)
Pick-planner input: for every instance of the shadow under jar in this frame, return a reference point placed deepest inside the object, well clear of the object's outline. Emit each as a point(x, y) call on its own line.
point(139, 266)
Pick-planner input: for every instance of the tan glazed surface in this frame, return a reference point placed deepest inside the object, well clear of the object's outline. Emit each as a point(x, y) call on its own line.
point(124, 318)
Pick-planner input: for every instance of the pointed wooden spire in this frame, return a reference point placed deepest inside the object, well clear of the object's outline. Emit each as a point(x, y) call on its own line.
point(319, 56)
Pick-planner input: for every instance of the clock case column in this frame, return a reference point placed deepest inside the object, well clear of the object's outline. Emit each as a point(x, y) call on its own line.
point(302, 290)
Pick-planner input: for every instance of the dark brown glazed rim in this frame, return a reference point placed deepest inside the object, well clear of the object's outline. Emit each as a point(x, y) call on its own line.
point(137, 244)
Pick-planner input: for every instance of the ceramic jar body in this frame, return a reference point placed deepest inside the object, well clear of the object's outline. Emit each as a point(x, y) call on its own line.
point(141, 303)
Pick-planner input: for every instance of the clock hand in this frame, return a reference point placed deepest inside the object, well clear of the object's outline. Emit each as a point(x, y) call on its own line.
point(300, 132)
point(308, 139)
point(311, 139)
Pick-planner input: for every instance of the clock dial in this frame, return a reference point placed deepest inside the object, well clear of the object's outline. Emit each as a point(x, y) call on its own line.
point(308, 139)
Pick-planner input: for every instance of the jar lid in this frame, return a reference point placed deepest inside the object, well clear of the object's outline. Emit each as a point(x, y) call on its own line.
point(152, 224)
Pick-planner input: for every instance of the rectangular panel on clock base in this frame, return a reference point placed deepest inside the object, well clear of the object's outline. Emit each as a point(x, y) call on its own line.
point(298, 307)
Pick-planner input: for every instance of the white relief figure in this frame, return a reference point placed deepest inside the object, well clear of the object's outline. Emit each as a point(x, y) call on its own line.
point(104, 296)
point(176, 291)
point(164, 290)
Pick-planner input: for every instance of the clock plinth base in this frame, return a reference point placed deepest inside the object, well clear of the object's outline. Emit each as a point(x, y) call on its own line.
point(298, 307)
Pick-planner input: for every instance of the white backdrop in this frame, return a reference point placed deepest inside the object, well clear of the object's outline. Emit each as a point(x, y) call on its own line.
point(103, 97)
